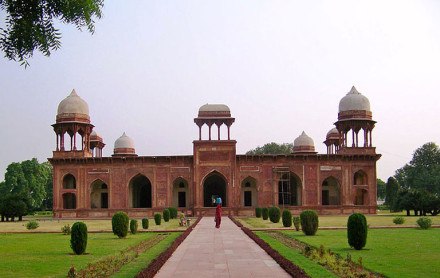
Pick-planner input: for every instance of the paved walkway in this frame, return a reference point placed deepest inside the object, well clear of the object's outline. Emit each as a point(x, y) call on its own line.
point(224, 252)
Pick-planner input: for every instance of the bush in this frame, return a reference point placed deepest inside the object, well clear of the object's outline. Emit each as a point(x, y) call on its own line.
point(173, 212)
point(258, 212)
point(357, 230)
point(296, 222)
point(274, 214)
point(32, 225)
point(133, 226)
point(66, 229)
point(166, 215)
point(287, 218)
point(265, 213)
point(145, 223)
point(424, 222)
point(399, 220)
point(309, 222)
point(78, 238)
point(157, 218)
point(120, 224)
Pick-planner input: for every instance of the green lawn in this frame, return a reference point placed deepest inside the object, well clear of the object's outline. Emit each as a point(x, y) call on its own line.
point(393, 252)
point(340, 221)
point(44, 255)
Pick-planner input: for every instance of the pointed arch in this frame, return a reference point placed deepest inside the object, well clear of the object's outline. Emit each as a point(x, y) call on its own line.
point(180, 193)
point(361, 197)
point(214, 185)
point(360, 178)
point(139, 192)
point(69, 181)
point(331, 192)
point(289, 190)
point(249, 192)
point(98, 194)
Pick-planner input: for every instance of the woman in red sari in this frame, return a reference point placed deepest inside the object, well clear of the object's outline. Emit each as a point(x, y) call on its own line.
point(218, 213)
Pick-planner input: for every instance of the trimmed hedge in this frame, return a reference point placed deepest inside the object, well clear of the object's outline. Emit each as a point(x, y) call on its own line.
point(287, 218)
point(157, 219)
point(265, 213)
point(357, 230)
point(309, 222)
point(78, 238)
point(173, 212)
point(133, 226)
point(166, 215)
point(120, 223)
point(274, 214)
point(145, 223)
point(258, 212)
point(296, 222)
point(424, 222)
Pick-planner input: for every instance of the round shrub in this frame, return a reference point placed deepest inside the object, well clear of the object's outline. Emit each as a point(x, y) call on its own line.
point(157, 218)
point(296, 222)
point(78, 238)
point(287, 218)
point(265, 213)
point(133, 226)
point(166, 215)
point(258, 212)
point(274, 214)
point(424, 222)
point(120, 224)
point(399, 220)
point(32, 225)
point(145, 223)
point(309, 222)
point(173, 212)
point(357, 230)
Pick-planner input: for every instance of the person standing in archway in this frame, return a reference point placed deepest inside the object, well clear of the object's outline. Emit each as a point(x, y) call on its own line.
point(218, 212)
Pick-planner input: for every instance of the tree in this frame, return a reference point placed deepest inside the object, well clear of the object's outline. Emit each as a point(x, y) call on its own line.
point(273, 148)
point(29, 24)
point(381, 189)
point(29, 179)
point(392, 189)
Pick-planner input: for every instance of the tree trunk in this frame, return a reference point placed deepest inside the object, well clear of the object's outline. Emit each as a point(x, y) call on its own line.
point(20, 218)
point(408, 213)
point(3, 218)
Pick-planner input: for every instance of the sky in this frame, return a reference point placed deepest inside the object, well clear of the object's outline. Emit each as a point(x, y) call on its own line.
point(281, 66)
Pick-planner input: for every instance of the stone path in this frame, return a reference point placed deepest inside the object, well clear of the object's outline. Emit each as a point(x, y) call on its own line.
point(224, 252)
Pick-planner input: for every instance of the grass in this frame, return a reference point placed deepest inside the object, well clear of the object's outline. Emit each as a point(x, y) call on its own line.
point(409, 252)
point(54, 225)
point(36, 255)
point(385, 219)
point(311, 268)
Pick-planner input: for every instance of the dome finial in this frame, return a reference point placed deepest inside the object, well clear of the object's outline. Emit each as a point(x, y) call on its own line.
point(73, 93)
point(353, 90)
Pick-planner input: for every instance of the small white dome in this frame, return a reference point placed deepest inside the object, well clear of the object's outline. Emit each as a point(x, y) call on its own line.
point(303, 140)
point(73, 104)
point(333, 133)
point(354, 101)
point(214, 108)
point(124, 142)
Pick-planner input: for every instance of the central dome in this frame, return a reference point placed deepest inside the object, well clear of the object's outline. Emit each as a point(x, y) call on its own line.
point(354, 101)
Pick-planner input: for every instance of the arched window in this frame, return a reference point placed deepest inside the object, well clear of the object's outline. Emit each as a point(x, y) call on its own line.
point(69, 182)
point(289, 190)
point(360, 178)
point(331, 192)
point(69, 201)
point(249, 192)
point(180, 193)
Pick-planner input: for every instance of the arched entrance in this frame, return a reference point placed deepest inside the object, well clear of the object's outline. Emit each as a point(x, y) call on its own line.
point(331, 192)
point(289, 190)
point(139, 192)
point(69, 182)
point(98, 195)
point(214, 186)
point(180, 193)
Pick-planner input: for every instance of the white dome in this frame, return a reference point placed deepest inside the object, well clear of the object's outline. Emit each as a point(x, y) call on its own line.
point(124, 142)
point(73, 104)
point(303, 140)
point(354, 101)
point(214, 108)
point(333, 132)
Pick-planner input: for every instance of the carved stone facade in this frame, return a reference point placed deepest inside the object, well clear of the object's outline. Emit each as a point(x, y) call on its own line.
point(342, 181)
